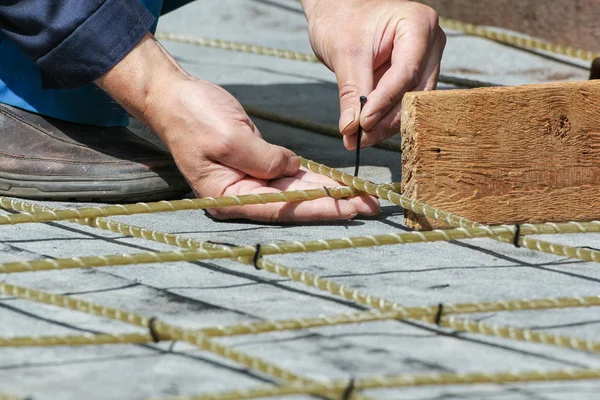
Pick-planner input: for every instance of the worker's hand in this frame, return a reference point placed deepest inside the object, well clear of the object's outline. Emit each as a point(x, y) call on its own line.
point(377, 48)
point(215, 144)
point(221, 153)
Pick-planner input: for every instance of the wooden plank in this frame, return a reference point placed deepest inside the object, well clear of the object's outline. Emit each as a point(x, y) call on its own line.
point(504, 155)
point(567, 22)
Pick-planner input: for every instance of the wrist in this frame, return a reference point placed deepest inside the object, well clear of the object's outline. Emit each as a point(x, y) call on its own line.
point(141, 80)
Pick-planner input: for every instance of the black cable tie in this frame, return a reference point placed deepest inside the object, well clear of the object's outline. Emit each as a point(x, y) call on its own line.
point(438, 315)
point(363, 101)
point(152, 330)
point(595, 69)
point(517, 236)
point(349, 390)
point(256, 257)
point(327, 191)
point(256, 253)
point(222, 243)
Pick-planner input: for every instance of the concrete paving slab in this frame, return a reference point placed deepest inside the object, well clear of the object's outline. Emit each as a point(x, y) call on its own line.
point(222, 292)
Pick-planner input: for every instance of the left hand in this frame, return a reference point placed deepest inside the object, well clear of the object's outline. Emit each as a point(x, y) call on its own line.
point(215, 144)
point(380, 49)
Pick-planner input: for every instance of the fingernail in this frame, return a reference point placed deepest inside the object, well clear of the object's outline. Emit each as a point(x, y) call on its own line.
point(348, 115)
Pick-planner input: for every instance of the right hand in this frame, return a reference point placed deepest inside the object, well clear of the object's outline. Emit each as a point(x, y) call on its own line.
point(221, 153)
point(380, 49)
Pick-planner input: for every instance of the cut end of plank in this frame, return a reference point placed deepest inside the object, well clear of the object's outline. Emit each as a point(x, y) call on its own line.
point(504, 155)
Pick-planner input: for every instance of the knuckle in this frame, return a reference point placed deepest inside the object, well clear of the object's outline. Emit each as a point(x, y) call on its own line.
point(428, 20)
point(348, 91)
point(389, 101)
point(430, 16)
point(276, 165)
point(276, 216)
point(413, 75)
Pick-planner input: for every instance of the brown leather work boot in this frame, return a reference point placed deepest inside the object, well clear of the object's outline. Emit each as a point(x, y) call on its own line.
point(45, 158)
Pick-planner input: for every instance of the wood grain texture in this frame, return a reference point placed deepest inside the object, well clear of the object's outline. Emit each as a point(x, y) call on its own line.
point(567, 22)
point(504, 155)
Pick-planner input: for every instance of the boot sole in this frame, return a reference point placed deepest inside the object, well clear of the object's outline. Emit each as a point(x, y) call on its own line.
point(141, 188)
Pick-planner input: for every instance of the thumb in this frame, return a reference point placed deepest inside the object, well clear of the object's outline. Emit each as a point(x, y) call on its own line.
point(251, 154)
point(355, 78)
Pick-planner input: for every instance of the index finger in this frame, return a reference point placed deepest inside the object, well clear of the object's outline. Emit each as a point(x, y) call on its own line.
point(323, 209)
point(412, 46)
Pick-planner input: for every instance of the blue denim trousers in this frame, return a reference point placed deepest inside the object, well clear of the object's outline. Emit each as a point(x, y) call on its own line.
point(21, 85)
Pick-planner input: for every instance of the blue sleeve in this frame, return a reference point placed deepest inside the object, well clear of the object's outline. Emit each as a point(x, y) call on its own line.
point(74, 42)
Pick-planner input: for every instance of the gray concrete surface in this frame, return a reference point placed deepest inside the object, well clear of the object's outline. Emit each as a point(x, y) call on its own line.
point(205, 294)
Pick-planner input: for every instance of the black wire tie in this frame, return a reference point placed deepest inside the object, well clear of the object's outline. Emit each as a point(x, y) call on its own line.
point(152, 330)
point(517, 236)
point(438, 315)
point(256, 257)
point(590, 248)
point(363, 101)
point(222, 243)
point(349, 390)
